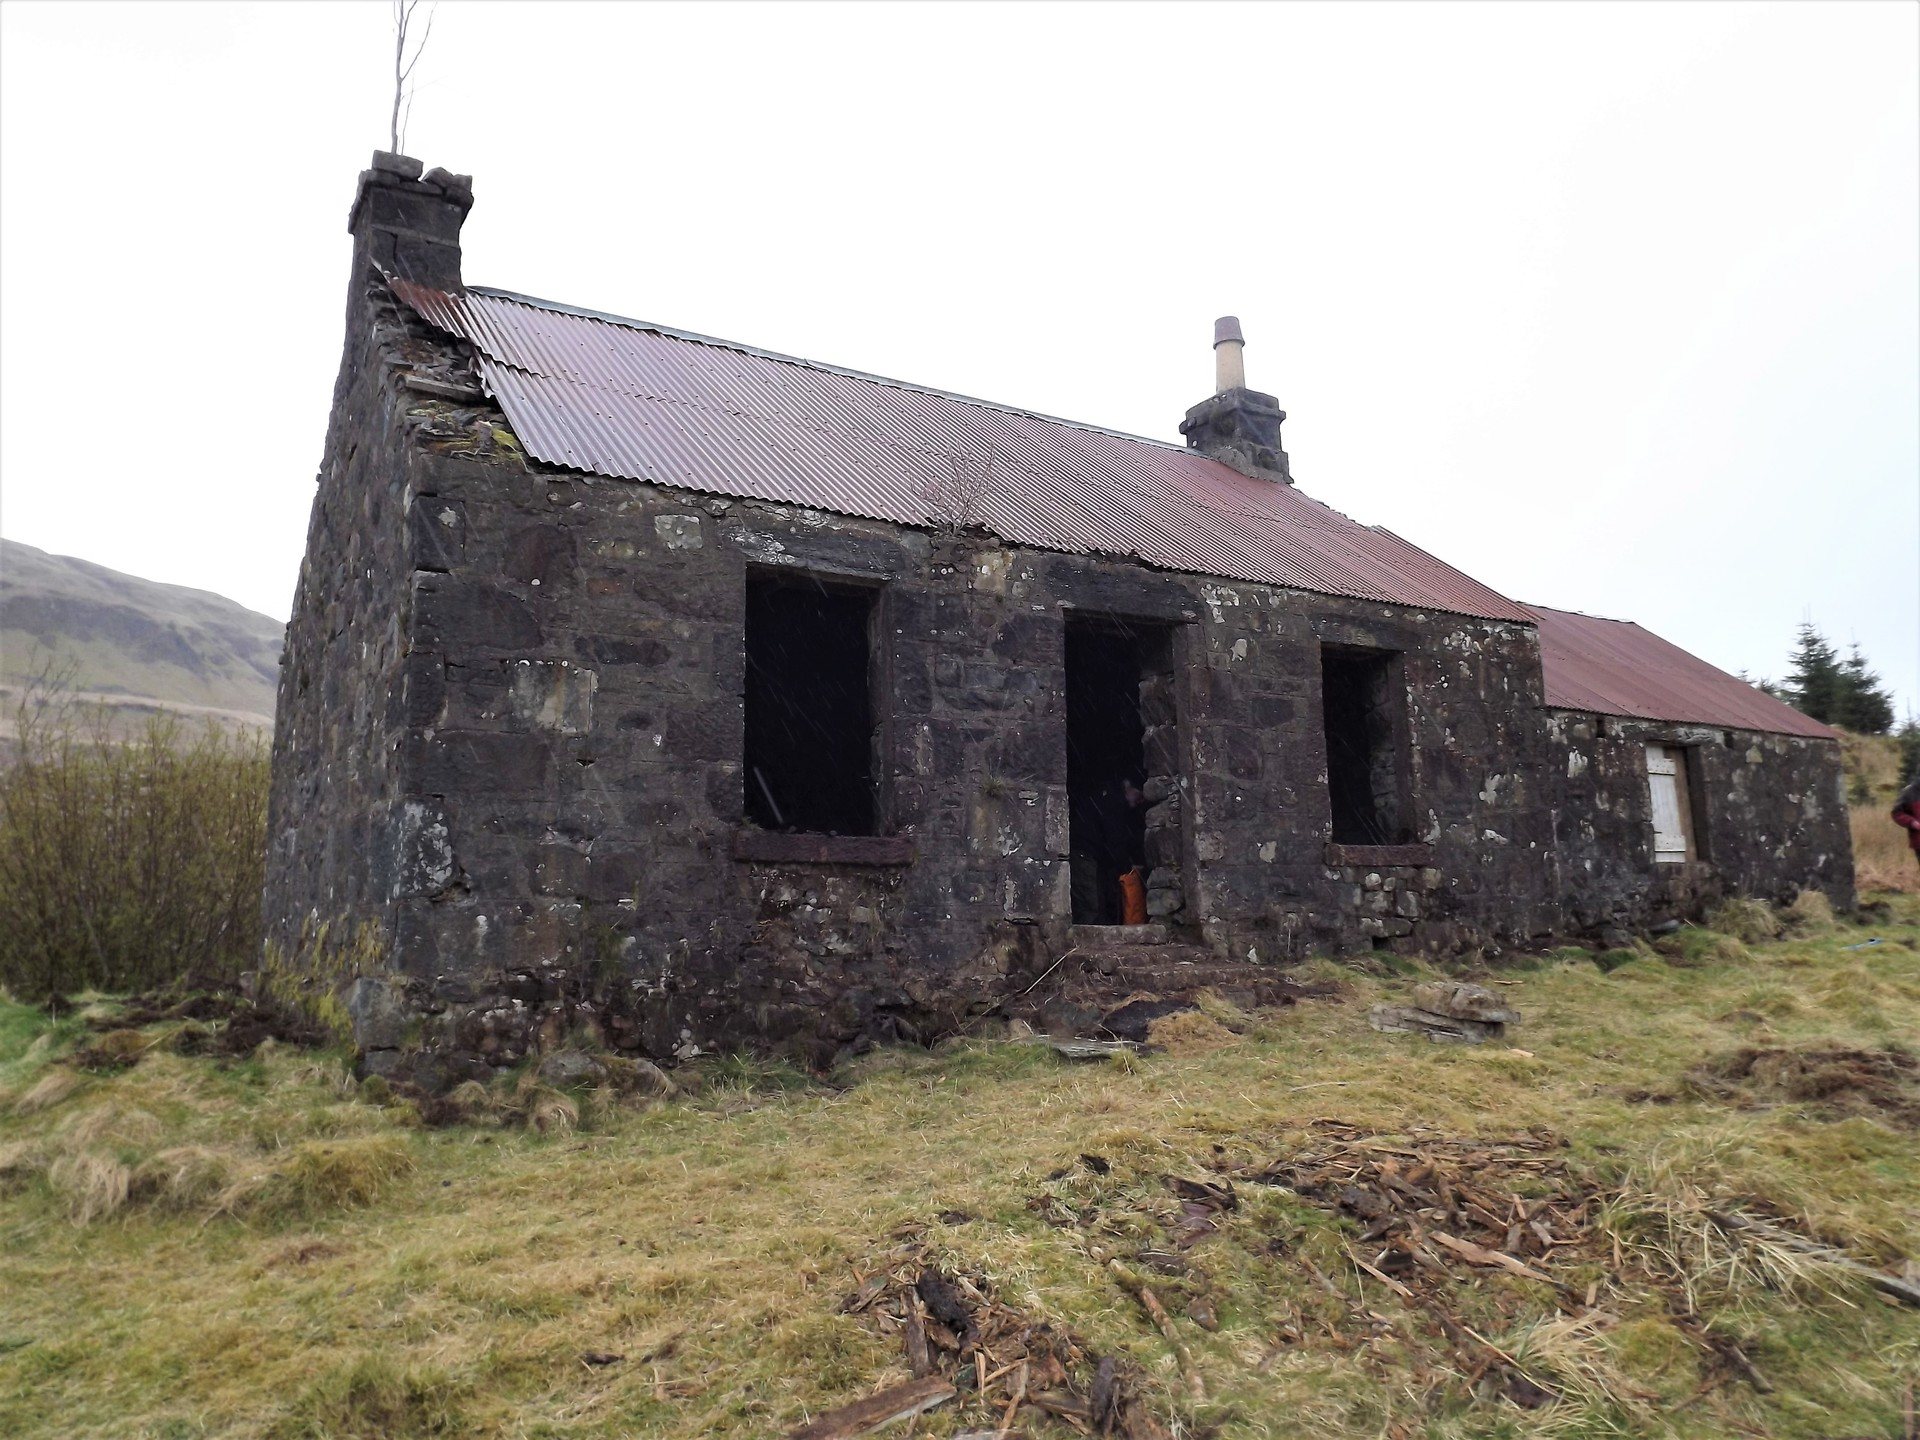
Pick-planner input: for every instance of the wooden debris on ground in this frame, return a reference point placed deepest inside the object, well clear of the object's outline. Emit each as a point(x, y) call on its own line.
point(1903, 1290)
point(1162, 1322)
point(863, 1417)
point(1436, 1212)
point(1511, 1205)
point(1007, 1372)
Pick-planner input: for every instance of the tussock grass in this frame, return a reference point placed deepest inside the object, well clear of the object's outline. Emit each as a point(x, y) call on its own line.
point(1752, 922)
point(1811, 913)
point(266, 1247)
point(91, 1183)
point(314, 1177)
point(46, 1092)
point(1190, 1032)
point(375, 1398)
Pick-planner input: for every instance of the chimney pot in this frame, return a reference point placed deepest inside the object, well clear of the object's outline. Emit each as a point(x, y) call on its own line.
point(1229, 355)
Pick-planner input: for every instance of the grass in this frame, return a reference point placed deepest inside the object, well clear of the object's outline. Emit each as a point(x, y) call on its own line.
point(194, 1248)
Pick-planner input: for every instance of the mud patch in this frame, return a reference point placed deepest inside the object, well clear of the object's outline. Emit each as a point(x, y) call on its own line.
point(1836, 1083)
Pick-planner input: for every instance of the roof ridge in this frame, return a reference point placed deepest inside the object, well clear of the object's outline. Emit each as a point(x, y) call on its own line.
point(697, 338)
point(1582, 614)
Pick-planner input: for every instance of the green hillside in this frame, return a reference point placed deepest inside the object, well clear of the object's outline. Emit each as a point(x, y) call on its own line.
point(138, 643)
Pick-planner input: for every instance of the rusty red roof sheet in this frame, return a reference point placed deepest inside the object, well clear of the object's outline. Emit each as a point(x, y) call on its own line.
point(1614, 667)
point(638, 401)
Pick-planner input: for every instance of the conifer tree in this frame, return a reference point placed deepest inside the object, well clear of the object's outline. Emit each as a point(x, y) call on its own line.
point(1909, 736)
point(1765, 686)
point(1864, 706)
point(1814, 679)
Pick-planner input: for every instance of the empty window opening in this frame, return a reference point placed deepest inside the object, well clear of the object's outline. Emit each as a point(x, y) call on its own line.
point(809, 733)
point(1364, 706)
point(1671, 794)
point(1121, 747)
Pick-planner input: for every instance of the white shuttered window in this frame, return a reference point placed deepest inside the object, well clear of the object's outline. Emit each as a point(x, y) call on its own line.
point(1667, 785)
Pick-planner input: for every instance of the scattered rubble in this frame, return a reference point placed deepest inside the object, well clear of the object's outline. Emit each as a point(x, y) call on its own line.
point(1449, 1010)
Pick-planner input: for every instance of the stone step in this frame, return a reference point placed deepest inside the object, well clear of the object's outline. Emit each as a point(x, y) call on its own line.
point(1116, 937)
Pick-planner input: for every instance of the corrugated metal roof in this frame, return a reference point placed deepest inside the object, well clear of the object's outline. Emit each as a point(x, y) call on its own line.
point(1614, 667)
point(637, 401)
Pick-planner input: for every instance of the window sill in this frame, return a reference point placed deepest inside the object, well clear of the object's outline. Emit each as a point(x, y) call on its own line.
point(1408, 856)
point(751, 843)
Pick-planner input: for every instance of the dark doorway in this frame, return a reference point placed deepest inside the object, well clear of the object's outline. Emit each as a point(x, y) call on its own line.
point(1364, 707)
point(1106, 764)
point(809, 740)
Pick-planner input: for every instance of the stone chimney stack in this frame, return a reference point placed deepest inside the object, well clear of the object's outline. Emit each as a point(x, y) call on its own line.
point(1237, 426)
point(408, 223)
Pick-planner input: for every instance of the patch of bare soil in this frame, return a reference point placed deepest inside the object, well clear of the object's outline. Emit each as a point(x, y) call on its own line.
point(1837, 1082)
point(996, 1364)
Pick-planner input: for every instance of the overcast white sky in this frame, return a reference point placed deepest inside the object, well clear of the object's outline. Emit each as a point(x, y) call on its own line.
point(1615, 307)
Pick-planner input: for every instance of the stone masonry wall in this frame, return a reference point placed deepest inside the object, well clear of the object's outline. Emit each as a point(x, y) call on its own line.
point(334, 823)
point(1769, 814)
point(564, 708)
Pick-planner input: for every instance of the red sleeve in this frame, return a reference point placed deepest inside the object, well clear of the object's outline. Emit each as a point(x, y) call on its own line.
point(1904, 816)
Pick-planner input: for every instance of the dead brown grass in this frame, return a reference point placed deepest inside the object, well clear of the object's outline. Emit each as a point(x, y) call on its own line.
point(1189, 1032)
point(1881, 857)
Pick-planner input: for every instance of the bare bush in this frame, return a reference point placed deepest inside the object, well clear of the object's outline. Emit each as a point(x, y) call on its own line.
point(953, 498)
point(127, 862)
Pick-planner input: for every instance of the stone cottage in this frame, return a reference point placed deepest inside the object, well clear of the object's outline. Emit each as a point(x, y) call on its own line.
point(698, 696)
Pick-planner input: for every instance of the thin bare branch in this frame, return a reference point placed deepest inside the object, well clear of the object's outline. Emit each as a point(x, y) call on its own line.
point(403, 68)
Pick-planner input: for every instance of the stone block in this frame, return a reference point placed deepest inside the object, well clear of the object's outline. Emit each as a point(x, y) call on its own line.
point(436, 533)
point(477, 762)
point(540, 555)
point(379, 1012)
point(551, 695)
point(453, 615)
point(679, 532)
point(1462, 1001)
